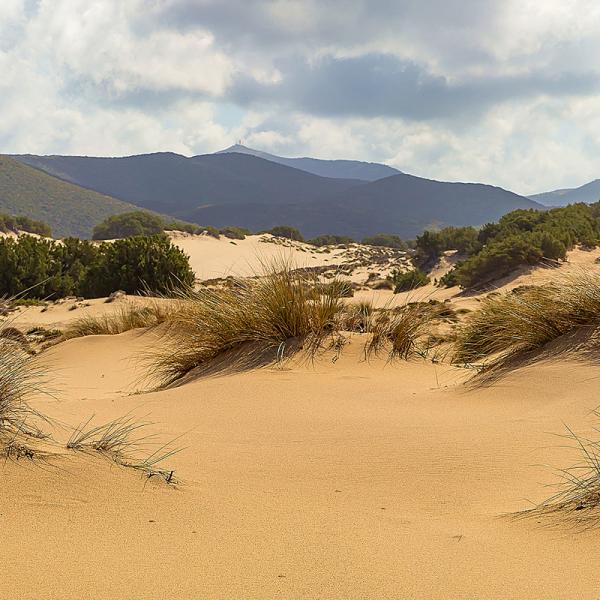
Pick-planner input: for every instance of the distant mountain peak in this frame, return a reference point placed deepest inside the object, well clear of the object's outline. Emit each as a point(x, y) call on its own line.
point(335, 169)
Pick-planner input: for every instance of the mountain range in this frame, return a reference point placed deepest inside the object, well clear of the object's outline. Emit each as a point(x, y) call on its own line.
point(249, 190)
point(588, 193)
point(338, 169)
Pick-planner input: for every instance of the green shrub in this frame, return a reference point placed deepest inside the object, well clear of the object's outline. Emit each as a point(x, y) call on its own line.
point(386, 240)
point(235, 233)
point(40, 268)
point(139, 263)
point(128, 224)
point(331, 240)
point(527, 237)
point(431, 244)
point(286, 231)
point(410, 280)
point(140, 222)
point(20, 223)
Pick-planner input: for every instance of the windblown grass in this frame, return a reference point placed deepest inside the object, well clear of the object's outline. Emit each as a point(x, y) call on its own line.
point(515, 322)
point(120, 440)
point(402, 332)
point(261, 314)
point(578, 497)
point(125, 318)
point(359, 317)
point(19, 378)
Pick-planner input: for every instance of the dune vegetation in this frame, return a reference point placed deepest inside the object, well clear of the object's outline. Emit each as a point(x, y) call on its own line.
point(522, 238)
point(124, 318)
point(19, 379)
point(40, 268)
point(282, 305)
point(577, 498)
point(527, 319)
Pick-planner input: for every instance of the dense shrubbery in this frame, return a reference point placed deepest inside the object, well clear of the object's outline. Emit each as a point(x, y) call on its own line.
point(37, 268)
point(128, 224)
point(140, 222)
point(387, 240)
point(331, 240)
point(14, 224)
point(286, 231)
point(235, 233)
point(520, 238)
point(409, 280)
point(431, 244)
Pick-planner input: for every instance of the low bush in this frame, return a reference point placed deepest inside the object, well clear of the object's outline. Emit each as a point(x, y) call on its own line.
point(128, 224)
point(286, 231)
point(137, 264)
point(521, 238)
point(387, 240)
point(40, 268)
point(331, 240)
point(16, 224)
point(235, 233)
point(409, 280)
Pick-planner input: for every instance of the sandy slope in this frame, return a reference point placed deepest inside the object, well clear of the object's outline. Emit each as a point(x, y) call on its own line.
point(332, 481)
point(335, 481)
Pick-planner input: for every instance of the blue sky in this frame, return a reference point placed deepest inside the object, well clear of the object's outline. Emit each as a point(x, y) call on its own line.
point(506, 92)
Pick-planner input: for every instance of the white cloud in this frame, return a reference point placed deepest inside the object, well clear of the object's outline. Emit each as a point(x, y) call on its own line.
point(109, 77)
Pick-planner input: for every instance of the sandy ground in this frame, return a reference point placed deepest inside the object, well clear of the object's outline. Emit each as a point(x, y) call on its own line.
point(339, 480)
point(346, 480)
point(211, 258)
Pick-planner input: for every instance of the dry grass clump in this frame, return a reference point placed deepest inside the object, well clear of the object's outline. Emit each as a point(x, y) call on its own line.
point(19, 378)
point(510, 323)
point(126, 317)
point(120, 441)
point(402, 332)
point(261, 314)
point(578, 495)
point(358, 317)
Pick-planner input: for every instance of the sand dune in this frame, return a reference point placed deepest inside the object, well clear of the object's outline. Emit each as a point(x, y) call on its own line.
point(346, 480)
point(333, 480)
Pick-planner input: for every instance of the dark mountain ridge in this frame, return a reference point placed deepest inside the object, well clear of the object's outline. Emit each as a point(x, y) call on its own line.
point(339, 169)
point(244, 190)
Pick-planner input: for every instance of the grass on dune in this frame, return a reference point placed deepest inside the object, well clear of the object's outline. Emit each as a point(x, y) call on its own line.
point(402, 332)
point(266, 313)
point(125, 318)
point(120, 440)
point(19, 378)
point(514, 322)
point(578, 496)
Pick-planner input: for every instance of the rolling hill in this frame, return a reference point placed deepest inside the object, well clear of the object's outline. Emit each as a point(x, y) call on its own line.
point(588, 193)
point(402, 204)
point(178, 186)
point(67, 208)
point(340, 169)
point(248, 191)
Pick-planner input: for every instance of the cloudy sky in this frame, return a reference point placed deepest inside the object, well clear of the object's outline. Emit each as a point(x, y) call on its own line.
point(501, 91)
